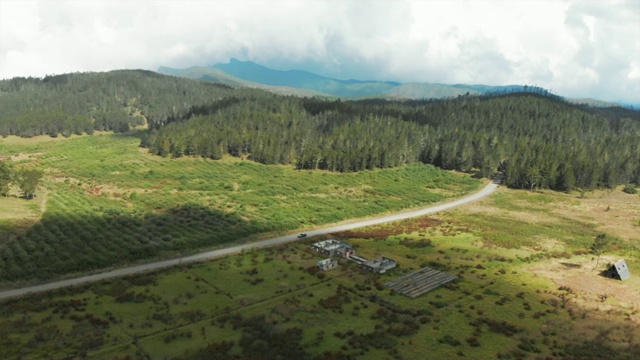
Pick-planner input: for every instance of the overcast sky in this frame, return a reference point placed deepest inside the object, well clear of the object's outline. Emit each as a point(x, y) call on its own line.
point(575, 48)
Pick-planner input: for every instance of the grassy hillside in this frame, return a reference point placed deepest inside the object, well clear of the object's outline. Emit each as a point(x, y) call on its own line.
point(526, 289)
point(216, 75)
point(106, 202)
point(428, 91)
point(300, 82)
point(253, 72)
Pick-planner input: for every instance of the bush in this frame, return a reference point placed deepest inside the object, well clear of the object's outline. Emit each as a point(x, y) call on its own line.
point(630, 189)
point(450, 340)
point(473, 341)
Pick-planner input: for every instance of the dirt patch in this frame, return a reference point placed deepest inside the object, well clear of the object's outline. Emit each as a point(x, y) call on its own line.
point(614, 212)
point(594, 292)
point(534, 218)
point(21, 157)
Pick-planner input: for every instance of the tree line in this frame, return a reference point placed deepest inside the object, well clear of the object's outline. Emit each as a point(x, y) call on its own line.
point(536, 139)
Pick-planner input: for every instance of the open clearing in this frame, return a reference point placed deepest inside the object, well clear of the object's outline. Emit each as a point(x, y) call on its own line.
point(525, 290)
point(110, 204)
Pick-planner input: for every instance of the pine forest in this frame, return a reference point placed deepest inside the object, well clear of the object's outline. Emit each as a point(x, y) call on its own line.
point(536, 140)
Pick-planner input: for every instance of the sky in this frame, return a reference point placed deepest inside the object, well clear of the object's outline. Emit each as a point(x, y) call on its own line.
point(575, 48)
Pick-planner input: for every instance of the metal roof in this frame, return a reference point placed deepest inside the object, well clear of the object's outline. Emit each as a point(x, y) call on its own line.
point(622, 269)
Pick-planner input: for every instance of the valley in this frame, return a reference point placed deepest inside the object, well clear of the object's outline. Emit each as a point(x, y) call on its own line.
point(155, 192)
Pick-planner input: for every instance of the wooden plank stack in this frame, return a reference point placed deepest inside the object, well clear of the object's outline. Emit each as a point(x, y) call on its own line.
point(420, 282)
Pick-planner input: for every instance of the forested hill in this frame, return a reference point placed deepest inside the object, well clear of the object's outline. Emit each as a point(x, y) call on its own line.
point(538, 141)
point(84, 102)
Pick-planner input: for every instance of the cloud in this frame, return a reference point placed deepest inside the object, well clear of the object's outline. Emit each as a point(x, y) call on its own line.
point(576, 48)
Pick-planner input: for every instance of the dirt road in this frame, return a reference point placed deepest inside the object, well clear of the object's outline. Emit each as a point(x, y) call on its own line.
point(236, 249)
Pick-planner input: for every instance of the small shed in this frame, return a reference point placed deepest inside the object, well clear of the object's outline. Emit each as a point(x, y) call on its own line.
point(619, 271)
point(327, 264)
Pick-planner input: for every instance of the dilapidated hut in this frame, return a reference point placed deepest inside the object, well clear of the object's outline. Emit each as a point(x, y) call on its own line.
point(619, 271)
point(327, 264)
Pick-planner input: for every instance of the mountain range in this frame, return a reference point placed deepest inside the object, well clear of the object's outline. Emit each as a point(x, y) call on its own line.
point(238, 73)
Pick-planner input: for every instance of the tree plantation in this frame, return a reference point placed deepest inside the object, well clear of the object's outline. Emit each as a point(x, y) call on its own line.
point(538, 140)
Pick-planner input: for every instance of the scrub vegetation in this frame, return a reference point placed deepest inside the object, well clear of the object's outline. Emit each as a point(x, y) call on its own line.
point(510, 301)
point(131, 166)
point(109, 203)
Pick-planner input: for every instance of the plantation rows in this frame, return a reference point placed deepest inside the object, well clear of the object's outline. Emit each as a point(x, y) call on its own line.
point(110, 204)
point(67, 242)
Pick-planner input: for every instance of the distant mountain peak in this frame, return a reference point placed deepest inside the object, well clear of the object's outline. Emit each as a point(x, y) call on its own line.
point(238, 72)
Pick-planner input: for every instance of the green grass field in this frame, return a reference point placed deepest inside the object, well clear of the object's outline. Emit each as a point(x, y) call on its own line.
point(525, 290)
point(272, 301)
point(108, 203)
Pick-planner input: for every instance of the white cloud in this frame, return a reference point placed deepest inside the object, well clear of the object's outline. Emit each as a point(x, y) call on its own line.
point(576, 48)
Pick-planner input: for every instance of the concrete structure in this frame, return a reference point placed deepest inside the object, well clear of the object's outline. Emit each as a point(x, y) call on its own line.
point(619, 271)
point(358, 259)
point(327, 264)
point(379, 265)
point(333, 247)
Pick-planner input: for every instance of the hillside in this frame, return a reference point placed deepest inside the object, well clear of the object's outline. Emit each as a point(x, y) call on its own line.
point(247, 73)
point(536, 139)
point(85, 102)
point(107, 202)
point(303, 83)
point(212, 74)
point(428, 91)
point(303, 79)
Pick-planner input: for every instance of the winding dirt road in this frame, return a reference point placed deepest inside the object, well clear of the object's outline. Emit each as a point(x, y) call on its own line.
point(236, 249)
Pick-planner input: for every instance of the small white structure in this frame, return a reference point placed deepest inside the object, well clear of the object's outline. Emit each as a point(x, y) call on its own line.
point(327, 264)
point(333, 247)
point(619, 271)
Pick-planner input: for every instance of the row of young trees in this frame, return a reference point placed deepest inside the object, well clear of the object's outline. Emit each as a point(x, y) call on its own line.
point(28, 180)
point(537, 141)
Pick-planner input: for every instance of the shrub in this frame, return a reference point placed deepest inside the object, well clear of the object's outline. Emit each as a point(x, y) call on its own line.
point(630, 189)
point(450, 340)
point(473, 341)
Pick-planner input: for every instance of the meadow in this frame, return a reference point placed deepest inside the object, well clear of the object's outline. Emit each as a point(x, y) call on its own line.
point(106, 202)
point(528, 290)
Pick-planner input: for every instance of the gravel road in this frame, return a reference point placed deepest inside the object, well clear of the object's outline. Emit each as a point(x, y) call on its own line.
point(236, 249)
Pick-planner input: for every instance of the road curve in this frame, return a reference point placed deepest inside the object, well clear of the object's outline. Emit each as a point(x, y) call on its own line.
point(236, 249)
